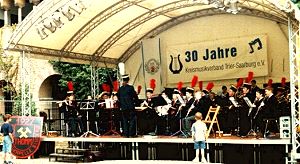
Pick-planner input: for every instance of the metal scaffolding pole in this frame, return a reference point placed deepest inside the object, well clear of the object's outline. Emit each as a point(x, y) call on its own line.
point(294, 81)
point(25, 85)
point(93, 81)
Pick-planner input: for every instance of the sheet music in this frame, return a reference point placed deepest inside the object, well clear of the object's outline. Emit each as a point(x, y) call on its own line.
point(250, 105)
point(181, 100)
point(234, 102)
point(248, 102)
point(87, 105)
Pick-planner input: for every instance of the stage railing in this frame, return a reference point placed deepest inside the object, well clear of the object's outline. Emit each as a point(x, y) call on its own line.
point(53, 122)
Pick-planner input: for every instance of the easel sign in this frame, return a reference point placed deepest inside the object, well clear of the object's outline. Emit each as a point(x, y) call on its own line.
point(27, 135)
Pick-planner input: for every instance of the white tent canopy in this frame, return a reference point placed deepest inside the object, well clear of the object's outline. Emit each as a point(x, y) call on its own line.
point(106, 32)
point(110, 31)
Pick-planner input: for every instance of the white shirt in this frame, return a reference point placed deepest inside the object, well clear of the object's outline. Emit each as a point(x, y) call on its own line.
point(199, 130)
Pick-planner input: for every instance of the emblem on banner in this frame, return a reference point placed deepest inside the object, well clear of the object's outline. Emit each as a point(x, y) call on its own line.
point(253, 43)
point(27, 132)
point(152, 66)
point(175, 65)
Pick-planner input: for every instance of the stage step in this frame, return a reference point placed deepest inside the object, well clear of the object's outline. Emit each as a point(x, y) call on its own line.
point(70, 150)
point(68, 157)
point(76, 155)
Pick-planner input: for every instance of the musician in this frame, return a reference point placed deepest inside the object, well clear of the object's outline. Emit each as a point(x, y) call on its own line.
point(208, 99)
point(224, 94)
point(258, 110)
point(177, 104)
point(116, 115)
point(92, 114)
point(233, 114)
point(270, 110)
point(254, 88)
point(101, 99)
point(163, 104)
point(197, 106)
point(229, 112)
point(184, 111)
point(271, 103)
point(127, 98)
point(222, 99)
point(283, 105)
point(148, 116)
point(71, 114)
point(245, 123)
point(189, 101)
point(114, 97)
point(213, 100)
point(104, 115)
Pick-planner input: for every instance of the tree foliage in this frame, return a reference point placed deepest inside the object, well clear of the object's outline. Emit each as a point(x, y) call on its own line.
point(9, 70)
point(80, 75)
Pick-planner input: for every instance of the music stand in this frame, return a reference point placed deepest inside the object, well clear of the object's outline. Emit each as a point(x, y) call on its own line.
point(112, 127)
point(237, 105)
point(88, 105)
point(250, 105)
point(180, 124)
point(234, 102)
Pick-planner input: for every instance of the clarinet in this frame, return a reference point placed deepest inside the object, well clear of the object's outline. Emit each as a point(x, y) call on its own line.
point(190, 109)
point(260, 106)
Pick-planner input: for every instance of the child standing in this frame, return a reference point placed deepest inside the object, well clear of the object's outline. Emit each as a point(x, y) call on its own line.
point(198, 134)
point(7, 130)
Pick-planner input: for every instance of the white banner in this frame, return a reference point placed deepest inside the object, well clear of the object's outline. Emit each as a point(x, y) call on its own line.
point(151, 63)
point(218, 59)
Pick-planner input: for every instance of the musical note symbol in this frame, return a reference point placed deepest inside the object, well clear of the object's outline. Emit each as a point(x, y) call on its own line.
point(254, 42)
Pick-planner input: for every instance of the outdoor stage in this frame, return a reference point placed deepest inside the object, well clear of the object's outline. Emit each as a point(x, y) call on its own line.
point(219, 149)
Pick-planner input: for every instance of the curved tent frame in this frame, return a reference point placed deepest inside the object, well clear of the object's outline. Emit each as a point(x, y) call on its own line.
point(120, 43)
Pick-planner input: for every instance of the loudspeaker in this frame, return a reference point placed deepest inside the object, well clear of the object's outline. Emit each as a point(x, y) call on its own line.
point(285, 126)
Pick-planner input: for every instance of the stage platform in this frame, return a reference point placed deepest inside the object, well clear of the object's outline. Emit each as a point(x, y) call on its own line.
point(46, 160)
point(169, 139)
point(219, 149)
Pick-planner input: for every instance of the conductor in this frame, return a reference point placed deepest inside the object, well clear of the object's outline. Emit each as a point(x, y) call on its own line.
point(127, 98)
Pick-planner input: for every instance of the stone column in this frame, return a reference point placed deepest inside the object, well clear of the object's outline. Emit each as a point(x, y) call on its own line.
point(20, 4)
point(34, 2)
point(6, 6)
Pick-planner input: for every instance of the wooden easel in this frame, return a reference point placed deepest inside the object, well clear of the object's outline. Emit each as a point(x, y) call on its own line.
point(212, 121)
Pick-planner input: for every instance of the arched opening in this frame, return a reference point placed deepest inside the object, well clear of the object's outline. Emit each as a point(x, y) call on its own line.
point(49, 89)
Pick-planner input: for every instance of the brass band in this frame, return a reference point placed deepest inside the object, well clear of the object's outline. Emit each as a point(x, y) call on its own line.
point(243, 111)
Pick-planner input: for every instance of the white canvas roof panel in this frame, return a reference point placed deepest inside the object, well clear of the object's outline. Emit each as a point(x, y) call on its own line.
point(106, 30)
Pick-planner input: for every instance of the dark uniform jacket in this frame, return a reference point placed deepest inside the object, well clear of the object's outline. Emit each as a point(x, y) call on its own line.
point(187, 106)
point(270, 107)
point(127, 97)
